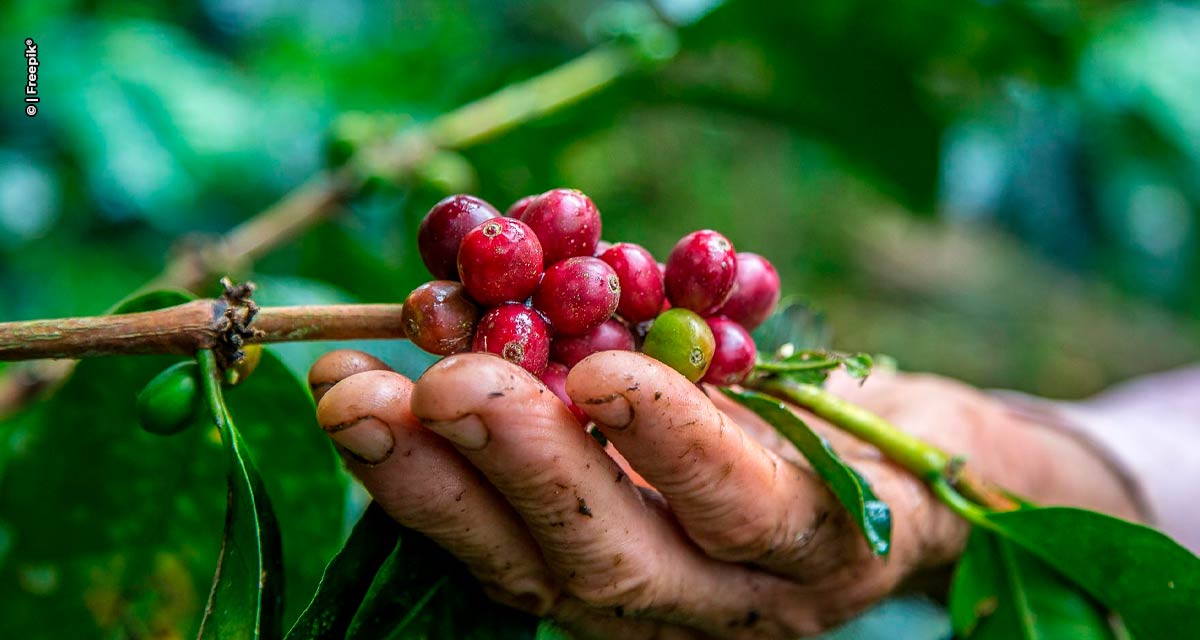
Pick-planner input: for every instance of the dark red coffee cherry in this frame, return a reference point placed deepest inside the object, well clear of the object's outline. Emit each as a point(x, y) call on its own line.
point(734, 355)
point(517, 209)
point(439, 317)
point(500, 261)
point(662, 273)
point(577, 294)
point(601, 247)
point(755, 291)
point(517, 334)
point(700, 272)
point(555, 379)
point(641, 282)
point(567, 223)
point(639, 332)
point(442, 230)
point(611, 335)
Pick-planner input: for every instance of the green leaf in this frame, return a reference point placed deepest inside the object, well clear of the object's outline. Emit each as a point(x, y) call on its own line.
point(157, 299)
point(106, 530)
point(1002, 592)
point(247, 598)
point(118, 530)
point(392, 583)
point(421, 591)
point(1148, 578)
point(302, 473)
point(813, 366)
point(348, 577)
point(548, 630)
point(873, 516)
point(794, 327)
point(858, 366)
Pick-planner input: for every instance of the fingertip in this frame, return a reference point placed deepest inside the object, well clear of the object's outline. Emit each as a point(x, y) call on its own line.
point(470, 383)
point(613, 387)
point(335, 366)
point(360, 412)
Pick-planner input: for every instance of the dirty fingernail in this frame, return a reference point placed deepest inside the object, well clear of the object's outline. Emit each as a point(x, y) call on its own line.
point(368, 440)
point(467, 432)
point(612, 411)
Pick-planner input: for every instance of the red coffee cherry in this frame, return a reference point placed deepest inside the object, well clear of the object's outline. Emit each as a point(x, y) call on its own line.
point(442, 230)
point(577, 294)
point(755, 291)
point(662, 273)
point(734, 355)
point(517, 209)
point(566, 222)
point(611, 335)
point(642, 291)
point(555, 379)
point(700, 272)
point(439, 317)
point(517, 334)
point(500, 261)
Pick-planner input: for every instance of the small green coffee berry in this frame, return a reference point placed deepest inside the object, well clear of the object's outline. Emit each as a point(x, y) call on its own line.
point(681, 340)
point(167, 404)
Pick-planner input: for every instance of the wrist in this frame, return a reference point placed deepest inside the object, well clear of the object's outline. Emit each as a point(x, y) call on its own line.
point(1061, 467)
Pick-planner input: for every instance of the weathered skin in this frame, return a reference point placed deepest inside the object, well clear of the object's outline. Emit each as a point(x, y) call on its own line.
point(736, 539)
point(334, 366)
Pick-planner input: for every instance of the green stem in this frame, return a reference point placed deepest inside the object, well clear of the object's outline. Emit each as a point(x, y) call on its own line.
point(917, 456)
point(532, 98)
point(210, 380)
point(920, 458)
point(792, 367)
point(497, 113)
point(966, 509)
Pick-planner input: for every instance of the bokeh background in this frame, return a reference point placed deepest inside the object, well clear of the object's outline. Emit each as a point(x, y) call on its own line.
point(1004, 191)
point(1001, 191)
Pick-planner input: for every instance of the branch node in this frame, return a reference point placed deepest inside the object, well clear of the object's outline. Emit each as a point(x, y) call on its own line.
point(233, 327)
point(954, 468)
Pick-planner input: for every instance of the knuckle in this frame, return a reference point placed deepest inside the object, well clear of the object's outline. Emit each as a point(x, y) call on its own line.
point(741, 531)
point(624, 592)
point(750, 539)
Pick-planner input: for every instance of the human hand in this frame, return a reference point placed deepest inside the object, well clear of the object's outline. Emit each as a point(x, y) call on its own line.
point(697, 519)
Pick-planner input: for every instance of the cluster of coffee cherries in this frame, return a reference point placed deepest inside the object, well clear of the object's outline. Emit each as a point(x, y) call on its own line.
point(538, 287)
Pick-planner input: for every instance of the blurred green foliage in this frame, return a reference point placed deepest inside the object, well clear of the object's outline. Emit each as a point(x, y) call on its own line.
point(1003, 191)
point(1017, 179)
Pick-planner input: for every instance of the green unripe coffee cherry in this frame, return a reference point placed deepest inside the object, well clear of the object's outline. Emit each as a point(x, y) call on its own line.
point(251, 354)
point(168, 403)
point(681, 340)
